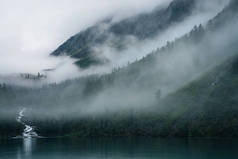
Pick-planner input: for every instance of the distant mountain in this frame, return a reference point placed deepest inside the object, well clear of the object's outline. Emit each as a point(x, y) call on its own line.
point(206, 107)
point(167, 93)
point(143, 26)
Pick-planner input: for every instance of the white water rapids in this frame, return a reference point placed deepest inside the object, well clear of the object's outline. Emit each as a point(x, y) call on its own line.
point(28, 131)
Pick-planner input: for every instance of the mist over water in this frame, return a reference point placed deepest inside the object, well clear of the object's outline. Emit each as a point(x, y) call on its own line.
point(148, 89)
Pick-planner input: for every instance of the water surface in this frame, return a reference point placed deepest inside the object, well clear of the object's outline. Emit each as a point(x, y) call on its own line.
point(119, 148)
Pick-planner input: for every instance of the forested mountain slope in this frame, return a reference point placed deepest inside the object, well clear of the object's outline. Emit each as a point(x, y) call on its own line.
point(151, 96)
point(117, 34)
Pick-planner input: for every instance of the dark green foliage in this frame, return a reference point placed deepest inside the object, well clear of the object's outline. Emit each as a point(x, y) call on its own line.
point(196, 110)
point(205, 107)
point(208, 106)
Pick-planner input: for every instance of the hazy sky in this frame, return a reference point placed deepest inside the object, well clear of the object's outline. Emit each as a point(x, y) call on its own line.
point(31, 29)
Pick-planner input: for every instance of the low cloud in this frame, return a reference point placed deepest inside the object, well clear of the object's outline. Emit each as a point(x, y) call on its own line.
point(137, 49)
point(30, 30)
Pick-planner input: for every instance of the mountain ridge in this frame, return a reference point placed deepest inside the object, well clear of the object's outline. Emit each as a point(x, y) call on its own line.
point(133, 101)
point(142, 27)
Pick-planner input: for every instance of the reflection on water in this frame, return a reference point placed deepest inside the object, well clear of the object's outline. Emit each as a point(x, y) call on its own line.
point(118, 148)
point(25, 151)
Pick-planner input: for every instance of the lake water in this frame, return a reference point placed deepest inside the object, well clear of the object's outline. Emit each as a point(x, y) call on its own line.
point(119, 148)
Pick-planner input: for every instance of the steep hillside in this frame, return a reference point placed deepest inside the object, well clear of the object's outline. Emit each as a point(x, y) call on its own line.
point(207, 106)
point(142, 27)
point(145, 97)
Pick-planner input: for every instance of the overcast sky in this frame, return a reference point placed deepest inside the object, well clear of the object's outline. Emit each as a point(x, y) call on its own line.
point(31, 29)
